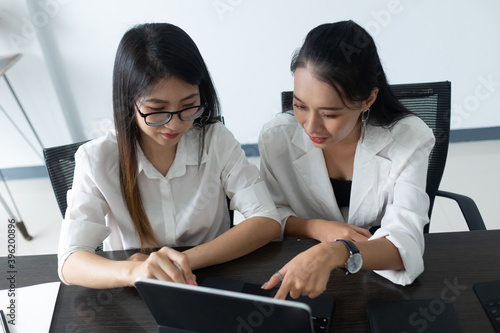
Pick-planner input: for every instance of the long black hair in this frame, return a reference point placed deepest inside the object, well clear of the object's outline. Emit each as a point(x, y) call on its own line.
point(345, 56)
point(147, 54)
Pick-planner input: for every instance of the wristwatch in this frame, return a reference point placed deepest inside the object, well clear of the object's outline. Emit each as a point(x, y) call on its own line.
point(355, 261)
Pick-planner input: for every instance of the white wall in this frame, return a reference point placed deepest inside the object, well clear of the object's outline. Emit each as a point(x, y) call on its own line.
point(31, 81)
point(247, 46)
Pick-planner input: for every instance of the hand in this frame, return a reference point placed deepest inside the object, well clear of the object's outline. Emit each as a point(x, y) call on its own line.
point(306, 274)
point(330, 231)
point(138, 257)
point(166, 264)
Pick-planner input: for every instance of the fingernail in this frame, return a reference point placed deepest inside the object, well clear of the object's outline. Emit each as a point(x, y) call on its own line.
point(192, 282)
point(264, 285)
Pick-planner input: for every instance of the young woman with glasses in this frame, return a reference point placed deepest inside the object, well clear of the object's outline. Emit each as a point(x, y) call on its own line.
point(350, 158)
point(163, 179)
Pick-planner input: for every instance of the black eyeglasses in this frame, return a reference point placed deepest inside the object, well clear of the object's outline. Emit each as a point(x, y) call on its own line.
point(161, 118)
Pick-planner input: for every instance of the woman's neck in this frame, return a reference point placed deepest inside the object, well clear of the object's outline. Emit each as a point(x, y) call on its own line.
point(339, 158)
point(161, 157)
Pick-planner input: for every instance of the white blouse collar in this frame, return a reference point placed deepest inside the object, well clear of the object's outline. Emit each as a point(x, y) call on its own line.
point(187, 154)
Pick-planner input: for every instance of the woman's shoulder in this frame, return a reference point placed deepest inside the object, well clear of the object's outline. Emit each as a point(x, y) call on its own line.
point(217, 140)
point(217, 128)
point(100, 150)
point(411, 126)
point(283, 123)
point(215, 134)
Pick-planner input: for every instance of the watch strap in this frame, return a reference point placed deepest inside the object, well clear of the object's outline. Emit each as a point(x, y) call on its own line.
point(350, 245)
point(352, 251)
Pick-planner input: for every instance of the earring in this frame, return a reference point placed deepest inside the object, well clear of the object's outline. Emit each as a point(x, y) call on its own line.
point(364, 119)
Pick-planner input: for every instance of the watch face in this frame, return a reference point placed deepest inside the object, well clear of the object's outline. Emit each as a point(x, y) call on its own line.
point(354, 263)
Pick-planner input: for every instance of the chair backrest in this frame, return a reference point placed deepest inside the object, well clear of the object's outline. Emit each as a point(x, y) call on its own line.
point(432, 103)
point(60, 163)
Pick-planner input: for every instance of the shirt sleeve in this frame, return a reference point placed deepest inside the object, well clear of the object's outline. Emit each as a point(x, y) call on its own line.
point(84, 226)
point(406, 216)
point(273, 185)
point(247, 192)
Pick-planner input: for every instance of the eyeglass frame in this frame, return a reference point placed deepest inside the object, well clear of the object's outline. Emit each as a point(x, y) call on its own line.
point(172, 113)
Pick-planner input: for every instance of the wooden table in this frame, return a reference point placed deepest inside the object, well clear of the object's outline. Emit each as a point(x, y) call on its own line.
point(453, 263)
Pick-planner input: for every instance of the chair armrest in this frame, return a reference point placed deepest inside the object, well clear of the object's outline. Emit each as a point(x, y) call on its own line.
point(469, 209)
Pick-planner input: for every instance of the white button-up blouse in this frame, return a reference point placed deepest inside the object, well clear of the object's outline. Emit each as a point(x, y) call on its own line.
point(187, 207)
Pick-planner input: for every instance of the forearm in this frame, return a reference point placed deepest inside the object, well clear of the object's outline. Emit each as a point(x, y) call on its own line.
point(308, 272)
point(242, 239)
point(300, 227)
point(378, 254)
point(324, 231)
point(93, 271)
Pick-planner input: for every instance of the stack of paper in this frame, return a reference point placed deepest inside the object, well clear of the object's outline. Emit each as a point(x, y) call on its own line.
point(29, 309)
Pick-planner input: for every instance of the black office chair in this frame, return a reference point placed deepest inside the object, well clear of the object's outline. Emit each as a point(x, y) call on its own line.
point(60, 164)
point(432, 103)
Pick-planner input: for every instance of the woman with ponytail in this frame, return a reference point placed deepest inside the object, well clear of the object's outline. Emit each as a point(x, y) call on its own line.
point(161, 179)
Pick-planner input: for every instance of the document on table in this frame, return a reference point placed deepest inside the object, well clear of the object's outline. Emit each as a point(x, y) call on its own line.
point(29, 308)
